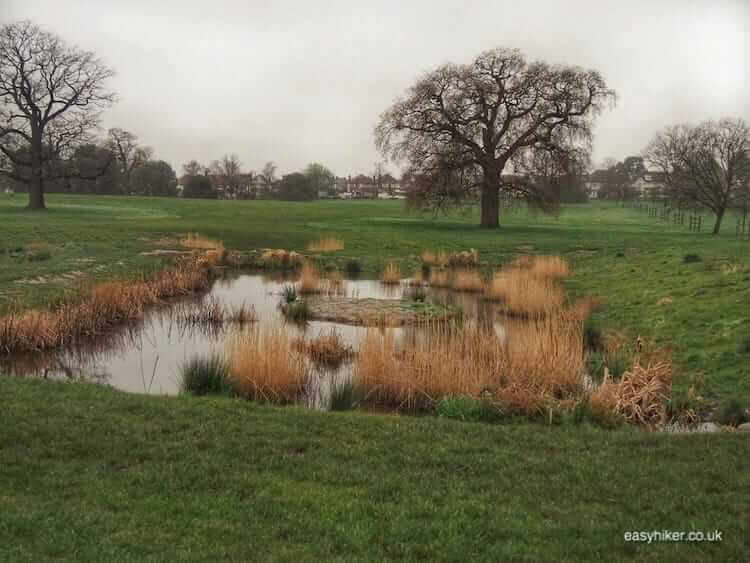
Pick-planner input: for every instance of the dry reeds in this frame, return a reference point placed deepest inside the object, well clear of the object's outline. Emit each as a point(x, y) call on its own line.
point(540, 363)
point(524, 294)
point(467, 280)
point(105, 305)
point(328, 349)
point(280, 258)
point(309, 280)
point(265, 364)
point(549, 267)
point(326, 244)
point(391, 274)
point(440, 278)
point(640, 396)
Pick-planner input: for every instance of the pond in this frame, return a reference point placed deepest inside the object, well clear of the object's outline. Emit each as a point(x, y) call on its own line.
point(146, 357)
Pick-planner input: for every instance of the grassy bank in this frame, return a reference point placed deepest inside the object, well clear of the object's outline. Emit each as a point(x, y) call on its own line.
point(635, 263)
point(89, 473)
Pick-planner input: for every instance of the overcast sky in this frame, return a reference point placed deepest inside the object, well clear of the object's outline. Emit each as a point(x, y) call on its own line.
point(301, 81)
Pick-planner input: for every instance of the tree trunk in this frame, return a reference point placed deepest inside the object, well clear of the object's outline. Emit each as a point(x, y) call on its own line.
point(719, 217)
point(36, 181)
point(490, 202)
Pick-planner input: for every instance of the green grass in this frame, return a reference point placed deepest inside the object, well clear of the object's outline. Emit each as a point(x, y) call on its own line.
point(89, 473)
point(206, 375)
point(632, 261)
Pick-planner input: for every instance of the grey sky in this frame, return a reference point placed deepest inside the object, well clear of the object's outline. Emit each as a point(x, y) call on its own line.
point(296, 82)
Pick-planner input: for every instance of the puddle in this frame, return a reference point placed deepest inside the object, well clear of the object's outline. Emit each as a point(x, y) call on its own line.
point(145, 357)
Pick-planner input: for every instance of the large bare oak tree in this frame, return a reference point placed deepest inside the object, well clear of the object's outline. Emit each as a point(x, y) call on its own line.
point(51, 94)
point(499, 110)
point(705, 164)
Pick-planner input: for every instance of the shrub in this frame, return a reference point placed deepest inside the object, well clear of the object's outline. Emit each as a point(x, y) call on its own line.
point(353, 268)
point(731, 413)
point(288, 293)
point(592, 335)
point(206, 375)
point(345, 395)
point(691, 258)
point(461, 407)
point(297, 311)
point(416, 293)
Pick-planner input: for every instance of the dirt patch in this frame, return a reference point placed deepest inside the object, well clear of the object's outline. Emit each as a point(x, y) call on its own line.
point(376, 312)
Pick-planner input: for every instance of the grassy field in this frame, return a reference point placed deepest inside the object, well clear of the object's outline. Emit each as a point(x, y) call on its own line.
point(636, 264)
point(89, 473)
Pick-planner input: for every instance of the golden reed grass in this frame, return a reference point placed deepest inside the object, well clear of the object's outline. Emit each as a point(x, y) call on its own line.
point(326, 244)
point(524, 294)
point(105, 305)
point(199, 242)
point(540, 362)
point(440, 278)
point(266, 365)
point(391, 274)
point(641, 394)
point(327, 349)
point(467, 280)
point(549, 267)
point(309, 280)
point(278, 257)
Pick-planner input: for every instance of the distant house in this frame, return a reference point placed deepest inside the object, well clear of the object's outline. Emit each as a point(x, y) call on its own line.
point(651, 185)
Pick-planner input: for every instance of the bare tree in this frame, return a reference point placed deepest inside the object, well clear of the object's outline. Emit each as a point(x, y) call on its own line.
point(268, 176)
point(193, 168)
point(50, 98)
point(491, 113)
point(705, 164)
point(130, 155)
point(228, 174)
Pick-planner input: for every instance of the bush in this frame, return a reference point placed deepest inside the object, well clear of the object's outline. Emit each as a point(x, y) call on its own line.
point(206, 375)
point(298, 311)
point(289, 293)
point(691, 258)
point(461, 407)
point(731, 413)
point(353, 268)
point(592, 335)
point(345, 396)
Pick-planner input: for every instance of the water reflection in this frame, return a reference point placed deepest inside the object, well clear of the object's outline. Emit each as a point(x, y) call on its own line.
point(145, 357)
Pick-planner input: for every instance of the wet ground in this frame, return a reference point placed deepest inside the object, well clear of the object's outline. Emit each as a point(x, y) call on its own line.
point(146, 357)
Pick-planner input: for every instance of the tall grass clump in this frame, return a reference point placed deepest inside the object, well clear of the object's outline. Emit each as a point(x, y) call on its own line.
point(353, 268)
point(38, 252)
point(541, 361)
point(391, 274)
point(206, 375)
point(288, 293)
point(327, 349)
point(266, 365)
point(467, 280)
point(326, 244)
point(280, 258)
point(440, 278)
point(345, 395)
point(309, 280)
point(523, 294)
point(549, 267)
point(298, 311)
